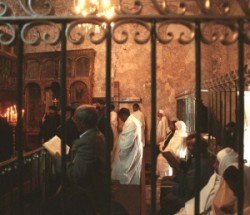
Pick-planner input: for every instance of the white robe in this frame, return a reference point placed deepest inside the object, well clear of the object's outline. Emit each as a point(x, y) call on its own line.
point(162, 129)
point(177, 147)
point(140, 116)
point(114, 125)
point(128, 159)
point(206, 196)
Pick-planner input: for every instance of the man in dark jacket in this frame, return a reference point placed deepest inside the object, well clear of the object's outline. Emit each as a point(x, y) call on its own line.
point(87, 172)
point(49, 124)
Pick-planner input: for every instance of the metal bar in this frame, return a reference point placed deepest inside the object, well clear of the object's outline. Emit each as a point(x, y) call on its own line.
point(63, 100)
point(216, 117)
point(197, 113)
point(230, 105)
point(225, 115)
point(220, 115)
point(147, 18)
point(209, 131)
point(107, 123)
point(19, 127)
point(153, 118)
point(240, 115)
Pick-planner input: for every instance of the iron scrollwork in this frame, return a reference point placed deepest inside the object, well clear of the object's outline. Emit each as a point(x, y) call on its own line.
point(4, 9)
point(163, 7)
point(227, 36)
point(8, 35)
point(245, 6)
point(32, 35)
point(74, 31)
point(139, 38)
point(28, 7)
point(214, 7)
point(167, 37)
point(128, 9)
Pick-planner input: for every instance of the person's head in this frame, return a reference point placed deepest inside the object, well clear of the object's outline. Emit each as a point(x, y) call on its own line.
point(172, 125)
point(123, 114)
point(52, 110)
point(160, 113)
point(232, 178)
point(85, 117)
point(224, 159)
point(73, 106)
point(136, 107)
point(180, 125)
point(180, 129)
point(112, 107)
point(191, 142)
point(100, 104)
point(231, 127)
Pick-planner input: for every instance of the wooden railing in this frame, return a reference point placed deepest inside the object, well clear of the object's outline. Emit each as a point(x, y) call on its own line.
point(35, 187)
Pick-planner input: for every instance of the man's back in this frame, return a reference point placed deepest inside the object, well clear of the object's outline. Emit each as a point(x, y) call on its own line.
point(127, 164)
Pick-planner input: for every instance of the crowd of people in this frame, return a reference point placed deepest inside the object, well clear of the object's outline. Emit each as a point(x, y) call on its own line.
point(219, 181)
point(91, 143)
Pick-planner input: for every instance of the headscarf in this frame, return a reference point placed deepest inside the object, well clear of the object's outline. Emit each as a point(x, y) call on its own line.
point(226, 158)
point(181, 128)
point(176, 144)
point(162, 112)
point(224, 196)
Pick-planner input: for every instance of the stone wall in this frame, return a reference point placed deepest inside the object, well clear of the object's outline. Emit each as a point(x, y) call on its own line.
point(131, 67)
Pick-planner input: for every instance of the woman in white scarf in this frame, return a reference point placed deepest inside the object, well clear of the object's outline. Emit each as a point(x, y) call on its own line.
point(224, 195)
point(231, 182)
point(176, 146)
point(225, 158)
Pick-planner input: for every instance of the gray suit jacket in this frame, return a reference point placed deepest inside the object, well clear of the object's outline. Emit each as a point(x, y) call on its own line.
point(88, 167)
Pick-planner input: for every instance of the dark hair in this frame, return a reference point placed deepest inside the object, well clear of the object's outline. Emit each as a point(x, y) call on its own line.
point(112, 107)
point(136, 105)
point(123, 112)
point(101, 101)
point(203, 142)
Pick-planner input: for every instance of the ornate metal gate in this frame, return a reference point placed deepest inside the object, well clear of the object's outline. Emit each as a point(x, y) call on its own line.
point(23, 23)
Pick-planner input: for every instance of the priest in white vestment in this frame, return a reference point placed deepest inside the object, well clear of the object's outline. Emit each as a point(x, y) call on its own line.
point(140, 116)
point(114, 126)
point(162, 127)
point(128, 158)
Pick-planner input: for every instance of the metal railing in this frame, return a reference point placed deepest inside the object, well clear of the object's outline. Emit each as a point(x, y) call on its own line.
point(29, 186)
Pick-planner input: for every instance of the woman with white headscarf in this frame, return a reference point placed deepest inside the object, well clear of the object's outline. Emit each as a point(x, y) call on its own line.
point(225, 158)
point(230, 191)
point(224, 196)
point(177, 148)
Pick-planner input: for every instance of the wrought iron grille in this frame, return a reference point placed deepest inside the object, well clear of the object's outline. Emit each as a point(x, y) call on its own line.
point(23, 21)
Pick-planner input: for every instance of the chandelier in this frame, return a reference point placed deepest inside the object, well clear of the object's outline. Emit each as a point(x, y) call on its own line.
point(100, 8)
point(95, 7)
